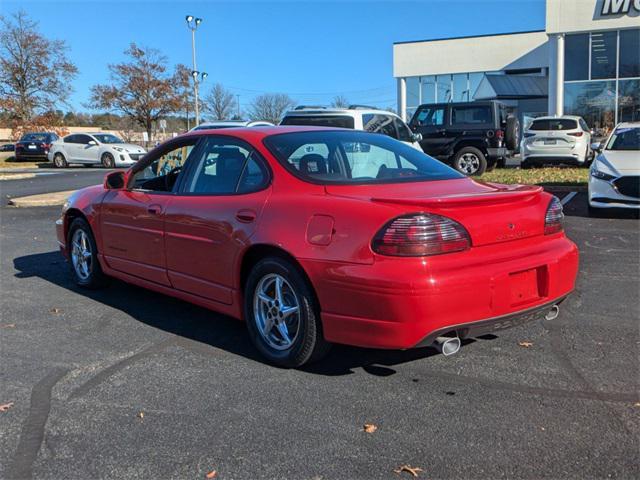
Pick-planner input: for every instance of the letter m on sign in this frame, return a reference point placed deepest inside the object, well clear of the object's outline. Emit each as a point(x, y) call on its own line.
point(614, 7)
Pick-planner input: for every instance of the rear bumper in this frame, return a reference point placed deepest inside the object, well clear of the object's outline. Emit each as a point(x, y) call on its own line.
point(400, 303)
point(496, 153)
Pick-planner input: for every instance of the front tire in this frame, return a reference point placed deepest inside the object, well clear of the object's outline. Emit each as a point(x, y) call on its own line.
point(108, 161)
point(470, 161)
point(282, 316)
point(59, 161)
point(83, 255)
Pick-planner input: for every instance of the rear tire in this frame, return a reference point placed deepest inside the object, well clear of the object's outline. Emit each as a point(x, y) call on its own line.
point(470, 161)
point(59, 161)
point(285, 327)
point(83, 255)
point(512, 132)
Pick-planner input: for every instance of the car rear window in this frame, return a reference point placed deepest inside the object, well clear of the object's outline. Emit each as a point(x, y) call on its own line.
point(339, 121)
point(355, 158)
point(554, 124)
point(35, 137)
point(470, 115)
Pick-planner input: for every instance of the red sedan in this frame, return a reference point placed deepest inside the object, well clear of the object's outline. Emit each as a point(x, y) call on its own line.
point(319, 236)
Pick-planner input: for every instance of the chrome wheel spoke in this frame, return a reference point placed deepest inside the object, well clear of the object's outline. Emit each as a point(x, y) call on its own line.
point(288, 311)
point(284, 331)
point(279, 290)
point(276, 311)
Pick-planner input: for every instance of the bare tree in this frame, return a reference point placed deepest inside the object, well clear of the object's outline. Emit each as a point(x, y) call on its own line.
point(340, 101)
point(270, 107)
point(183, 82)
point(140, 88)
point(35, 73)
point(220, 102)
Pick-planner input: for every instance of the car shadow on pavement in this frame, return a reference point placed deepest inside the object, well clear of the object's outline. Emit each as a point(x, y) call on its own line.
point(204, 326)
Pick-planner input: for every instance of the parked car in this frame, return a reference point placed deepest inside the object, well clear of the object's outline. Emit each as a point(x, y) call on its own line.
point(556, 140)
point(471, 136)
point(8, 147)
point(358, 117)
point(231, 124)
point(319, 236)
point(35, 145)
point(614, 180)
point(94, 149)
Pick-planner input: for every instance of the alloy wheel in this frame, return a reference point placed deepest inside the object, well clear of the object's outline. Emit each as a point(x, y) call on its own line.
point(276, 311)
point(58, 160)
point(469, 163)
point(81, 256)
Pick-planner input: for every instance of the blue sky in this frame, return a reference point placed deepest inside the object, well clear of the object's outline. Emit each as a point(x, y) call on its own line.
point(311, 50)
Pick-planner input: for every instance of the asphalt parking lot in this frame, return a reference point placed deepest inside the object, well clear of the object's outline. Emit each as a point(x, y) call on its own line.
point(123, 382)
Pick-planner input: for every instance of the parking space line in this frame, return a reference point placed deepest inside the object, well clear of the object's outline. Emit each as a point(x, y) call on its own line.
point(568, 198)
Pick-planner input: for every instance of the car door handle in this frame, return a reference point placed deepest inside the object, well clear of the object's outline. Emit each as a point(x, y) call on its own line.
point(154, 209)
point(246, 216)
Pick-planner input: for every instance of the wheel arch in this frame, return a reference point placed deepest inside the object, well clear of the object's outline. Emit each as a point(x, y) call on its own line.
point(257, 252)
point(479, 144)
point(70, 215)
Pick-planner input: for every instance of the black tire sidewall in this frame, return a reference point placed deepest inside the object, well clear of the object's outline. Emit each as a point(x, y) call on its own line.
point(511, 132)
point(96, 278)
point(482, 160)
point(310, 333)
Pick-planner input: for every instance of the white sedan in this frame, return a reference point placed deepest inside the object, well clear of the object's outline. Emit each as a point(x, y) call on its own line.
point(614, 180)
point(94, 149)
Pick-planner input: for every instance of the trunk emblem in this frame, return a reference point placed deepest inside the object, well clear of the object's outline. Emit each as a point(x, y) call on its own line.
point(511, 226)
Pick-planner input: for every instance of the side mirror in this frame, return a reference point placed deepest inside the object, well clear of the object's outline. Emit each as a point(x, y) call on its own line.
point(115, 180)
point(92, 142)
point(416, 137)
point(596, 147)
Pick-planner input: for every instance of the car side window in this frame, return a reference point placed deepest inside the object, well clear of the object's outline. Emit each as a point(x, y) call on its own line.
point(404, 134)
point(376, 123)
point(225, 166)
point(161, 171)
point(70, 139)
point(83, 139)
point(584, 125)
point(429, 116)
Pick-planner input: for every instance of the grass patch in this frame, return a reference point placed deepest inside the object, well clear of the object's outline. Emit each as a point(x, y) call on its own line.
point(8, 160)
point(539, 176)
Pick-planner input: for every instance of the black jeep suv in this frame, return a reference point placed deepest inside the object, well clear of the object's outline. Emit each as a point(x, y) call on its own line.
point(473, 136)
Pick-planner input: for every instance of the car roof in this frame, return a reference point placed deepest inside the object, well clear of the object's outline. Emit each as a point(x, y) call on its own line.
point(259, 133)
point(559, 117)
point(335, 111)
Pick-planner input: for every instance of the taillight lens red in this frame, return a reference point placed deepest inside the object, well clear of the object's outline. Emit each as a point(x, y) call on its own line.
point(575, 134)
point(500, 134)
point(553, 218)
point(421, 234)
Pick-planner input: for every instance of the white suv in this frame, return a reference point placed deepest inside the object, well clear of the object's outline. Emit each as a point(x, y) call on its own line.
point(556, 140)
point(357, 117)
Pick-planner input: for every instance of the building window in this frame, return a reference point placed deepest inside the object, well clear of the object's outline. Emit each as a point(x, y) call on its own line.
point(629, 100)
point(629, 53)
point(460, 87)
point(444, 90)
point(576, 57)
point(413, 92)
point(429, 89)
point(604, 51)
point(474, 81)
point(593, 101)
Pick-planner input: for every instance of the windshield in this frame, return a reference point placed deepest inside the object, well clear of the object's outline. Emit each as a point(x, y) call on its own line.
point(625, 139)
point(336, 121)
point(555, 124)
point(107, 138)
point(354, 157)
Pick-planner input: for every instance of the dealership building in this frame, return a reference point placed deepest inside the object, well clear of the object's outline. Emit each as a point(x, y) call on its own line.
point(585, 62)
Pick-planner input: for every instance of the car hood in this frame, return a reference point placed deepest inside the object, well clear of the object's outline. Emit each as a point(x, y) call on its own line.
point(623, 162)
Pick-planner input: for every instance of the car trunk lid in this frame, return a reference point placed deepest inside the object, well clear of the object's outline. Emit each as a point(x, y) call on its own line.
point(491, 213)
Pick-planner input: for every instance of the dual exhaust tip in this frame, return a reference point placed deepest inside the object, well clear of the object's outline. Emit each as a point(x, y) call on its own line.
point(451, 345)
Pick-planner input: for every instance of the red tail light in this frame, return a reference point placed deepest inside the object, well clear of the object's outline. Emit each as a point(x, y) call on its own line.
point(500, 134)
point(553, 218)
point(421, 234)
point(575, 134)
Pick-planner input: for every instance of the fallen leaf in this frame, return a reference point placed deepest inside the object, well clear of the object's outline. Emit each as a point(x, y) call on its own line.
point(411, 470)
point(211, 474)
point(5, 406)
point(370, 427)
point(8, 325)
point(525, 344)
point(141, 415)
point(55, 310)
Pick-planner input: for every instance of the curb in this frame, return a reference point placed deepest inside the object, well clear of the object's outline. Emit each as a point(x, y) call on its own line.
point(41, 200)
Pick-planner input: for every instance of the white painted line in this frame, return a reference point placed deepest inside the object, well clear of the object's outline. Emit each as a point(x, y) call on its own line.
point(568, 198)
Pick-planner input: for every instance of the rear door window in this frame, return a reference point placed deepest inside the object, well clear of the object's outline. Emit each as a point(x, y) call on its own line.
point(428, 116)
point(338, 121)
point(471, 115)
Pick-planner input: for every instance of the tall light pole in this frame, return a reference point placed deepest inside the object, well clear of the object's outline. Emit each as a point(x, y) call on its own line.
point(193, 24)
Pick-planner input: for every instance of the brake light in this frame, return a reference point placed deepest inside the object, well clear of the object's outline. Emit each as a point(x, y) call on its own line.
point(575, 134)
point(500, 134)
point(553, 218)
point(421, 234)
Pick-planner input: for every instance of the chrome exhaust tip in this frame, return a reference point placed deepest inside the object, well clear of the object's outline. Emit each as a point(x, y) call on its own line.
point(553, 313)
point(448, 345)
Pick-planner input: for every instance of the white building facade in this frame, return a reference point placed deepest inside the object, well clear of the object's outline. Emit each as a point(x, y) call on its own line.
point(586, 62)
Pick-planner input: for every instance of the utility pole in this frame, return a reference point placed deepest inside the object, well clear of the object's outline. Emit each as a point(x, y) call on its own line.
point(238, 104)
